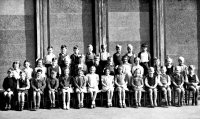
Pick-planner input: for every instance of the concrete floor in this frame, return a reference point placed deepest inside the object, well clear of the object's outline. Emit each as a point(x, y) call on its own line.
point(185, 112)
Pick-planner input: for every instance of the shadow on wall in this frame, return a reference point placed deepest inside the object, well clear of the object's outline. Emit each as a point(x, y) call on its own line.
point(88, 23)
point(198, 34)
point(30, 30)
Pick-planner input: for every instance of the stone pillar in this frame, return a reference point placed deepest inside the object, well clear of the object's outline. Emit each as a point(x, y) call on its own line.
point(159, 30)
point(101, 25)
point(42, 27)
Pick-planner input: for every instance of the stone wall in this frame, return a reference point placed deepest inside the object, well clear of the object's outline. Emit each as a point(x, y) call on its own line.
point(182, 30)
point(128, 22)
point(17, 33)
point(71, 24)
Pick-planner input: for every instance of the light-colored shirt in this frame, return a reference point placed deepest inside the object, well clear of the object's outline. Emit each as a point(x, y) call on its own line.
point(104, 56)
point(93, 80)
point(107, 80)
point(138, 67)
point(144, 57)
point(48, 58)
point(29, 72)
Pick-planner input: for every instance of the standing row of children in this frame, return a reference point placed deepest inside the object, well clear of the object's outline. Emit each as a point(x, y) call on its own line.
point(69, 74)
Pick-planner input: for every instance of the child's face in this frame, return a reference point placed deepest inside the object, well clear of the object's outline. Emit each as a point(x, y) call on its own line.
point(23, 76)
point(169, 62)
point(129, 49)
point(156, 62)
point(90, 49)
point(63, 50)
point(107, 72)
point(38, 75)
point(137, 61)
point(66, 72)
point(180, 62)
point(50, 50)
point(120, 70)
point(16, 66)
point(191, 71)
point(118, 50)
point(96, 61)
point(151, 72)
point(76, 50)
point(110, 62)
point(55, 63)
point(80, 72)
point(40, 63)
point(163, 70)
point(144, 48)
point(103, 48)
point(125, 60)
point(53, 75)
point(26, 64)
point(138, 73)
point(10, 74)
point(92, 70)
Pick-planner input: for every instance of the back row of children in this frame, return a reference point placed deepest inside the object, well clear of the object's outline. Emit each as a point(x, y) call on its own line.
point(92, 73)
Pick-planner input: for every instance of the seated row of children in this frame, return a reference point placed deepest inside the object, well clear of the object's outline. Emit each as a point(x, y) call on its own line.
point(70, 74)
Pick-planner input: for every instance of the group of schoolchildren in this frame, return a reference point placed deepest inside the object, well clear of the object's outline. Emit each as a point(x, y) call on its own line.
point(93, 73)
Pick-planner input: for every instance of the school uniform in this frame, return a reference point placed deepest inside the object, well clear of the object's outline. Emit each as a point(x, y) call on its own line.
point(74, 62)
point(108, 81)
point(80, 83)
point(38, 84)
point(66, 81)
point(61, 58)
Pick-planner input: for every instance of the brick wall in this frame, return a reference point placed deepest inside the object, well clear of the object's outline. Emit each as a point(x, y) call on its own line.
point(128, 22)
point(71, 24)
point(182, 30)
point(17, 33)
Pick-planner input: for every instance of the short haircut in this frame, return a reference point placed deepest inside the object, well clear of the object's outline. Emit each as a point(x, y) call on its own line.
point(63, 46)
point(49, 47)
point(27, 61)
point(55, 59)
point(40, 59)
point(9, 70)
point(39, 70)
point(16, 62)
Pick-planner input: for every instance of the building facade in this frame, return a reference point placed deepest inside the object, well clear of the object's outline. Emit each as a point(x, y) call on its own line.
point(169, 27)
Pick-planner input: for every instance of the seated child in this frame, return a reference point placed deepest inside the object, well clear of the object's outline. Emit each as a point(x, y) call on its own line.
point(178, 81)
point(117, 57)
point(137, 84)
point(151, 82)
point(75, 58)
point(9, 86)
point(137, 66)
point(127, 70)
point(66, 88)
point(110, 66)
point(89, 59)
point(27, 69)
point(53, 84)
point(62, 56)
point(164, 84)
point(54, 67)
point(80, 87)
point(121, 86)
point(107, 82)
point(145, 57)
point(130, 55)
point(16, 69)
point(192, 83)
point(169, 66)
point(103, 56)
point(93, 82)
point(48, 58)
point(39, 65)
point(23, 85)
point(38, 84)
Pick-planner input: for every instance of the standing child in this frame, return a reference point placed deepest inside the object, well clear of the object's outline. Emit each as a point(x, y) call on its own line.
point(38, 84)
point(16, 69)
point(62, 56)
point(48, 58)
point(89, 60)
point(184, 68)
point(54, 67)
point(156, 66)
point(130, 55)
point(66, 87)
point(27, 69)
point(169, 66)
point(80, 87)
point(103, 56)
point(9, 86)
point(93, 82)
point(137, 66)
point(164, 84)
point(40, 66)
point(127, 70)
point(117, 57)
point(66, 65)
point(137, 84)
point(75, 60)
point(151, 82)
point(178, 81)
point(110, 66)
point(107, 81)
point(53, 84)
point(121, 86)
point(145, 57)
point(23, 85)
point(192, 83)
point(81, 65)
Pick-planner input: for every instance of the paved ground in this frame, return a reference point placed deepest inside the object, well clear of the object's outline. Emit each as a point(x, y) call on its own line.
point(186, 112)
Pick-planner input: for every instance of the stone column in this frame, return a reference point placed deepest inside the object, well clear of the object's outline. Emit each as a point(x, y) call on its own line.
point(159, 30)
point(42, 27)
